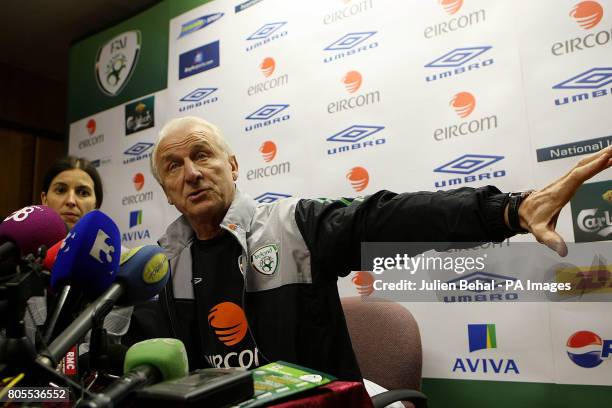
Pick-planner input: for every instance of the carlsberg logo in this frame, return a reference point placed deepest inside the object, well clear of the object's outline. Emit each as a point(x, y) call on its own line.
point(589, 221)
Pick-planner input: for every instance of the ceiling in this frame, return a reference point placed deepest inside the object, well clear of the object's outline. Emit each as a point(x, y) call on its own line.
point(36, 34)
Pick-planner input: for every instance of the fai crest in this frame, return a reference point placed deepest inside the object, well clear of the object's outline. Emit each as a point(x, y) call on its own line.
point(116, 61)
point(265, 259)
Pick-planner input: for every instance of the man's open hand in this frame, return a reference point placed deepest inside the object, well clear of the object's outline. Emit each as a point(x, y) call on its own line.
point(539, 212)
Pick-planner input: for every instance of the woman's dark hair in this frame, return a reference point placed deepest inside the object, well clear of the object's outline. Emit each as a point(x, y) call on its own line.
point(70, 163)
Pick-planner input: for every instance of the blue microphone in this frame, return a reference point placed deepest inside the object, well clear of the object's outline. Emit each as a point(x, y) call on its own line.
point(89, 257)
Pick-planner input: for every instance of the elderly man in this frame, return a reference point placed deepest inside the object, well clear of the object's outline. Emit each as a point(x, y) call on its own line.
point(253, 283)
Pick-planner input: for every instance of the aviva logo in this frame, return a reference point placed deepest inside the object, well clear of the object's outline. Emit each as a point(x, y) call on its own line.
point(135, 218)
point(481, 336)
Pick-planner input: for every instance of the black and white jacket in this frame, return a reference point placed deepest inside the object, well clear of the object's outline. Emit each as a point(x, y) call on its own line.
point(292, 303)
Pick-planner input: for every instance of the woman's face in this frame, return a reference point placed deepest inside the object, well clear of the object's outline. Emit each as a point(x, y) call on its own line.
point(71, 194)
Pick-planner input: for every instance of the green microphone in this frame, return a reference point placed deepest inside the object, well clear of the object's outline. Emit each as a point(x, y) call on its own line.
point(168, 356)
point(147, 362)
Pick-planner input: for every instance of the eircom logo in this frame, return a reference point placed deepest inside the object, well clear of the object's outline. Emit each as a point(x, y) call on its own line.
point(268, 150)
point(93, 139)
point(463, 103)
point(138, 181)
point(229, 323)
point(352, 81)
point(358, 177)
point(91, 126)
point(587, 14)
point(451, 6)
point(586, 349)
point(267, 66)
point(364, 282)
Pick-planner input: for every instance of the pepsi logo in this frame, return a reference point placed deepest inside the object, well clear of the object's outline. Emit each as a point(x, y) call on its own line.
point(586, 349)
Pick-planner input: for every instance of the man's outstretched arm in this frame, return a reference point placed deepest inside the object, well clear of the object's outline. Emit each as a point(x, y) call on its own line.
point(539, 211)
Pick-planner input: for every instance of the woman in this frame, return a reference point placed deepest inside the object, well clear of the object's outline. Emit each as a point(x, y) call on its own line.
point(72, 187)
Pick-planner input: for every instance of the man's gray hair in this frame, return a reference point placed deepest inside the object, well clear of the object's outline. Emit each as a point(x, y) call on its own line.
point(171, 126)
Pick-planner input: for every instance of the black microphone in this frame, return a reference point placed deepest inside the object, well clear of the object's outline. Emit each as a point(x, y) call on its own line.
point(112, 363)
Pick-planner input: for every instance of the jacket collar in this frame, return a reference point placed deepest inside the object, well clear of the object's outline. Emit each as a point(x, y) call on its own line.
point(237, 221)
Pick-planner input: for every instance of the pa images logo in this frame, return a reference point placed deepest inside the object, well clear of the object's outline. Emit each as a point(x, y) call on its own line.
point(265, 259)
point(116, 61)
point(139, 115)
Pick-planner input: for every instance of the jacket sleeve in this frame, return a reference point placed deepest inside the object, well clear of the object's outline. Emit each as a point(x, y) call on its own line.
point(334, 229)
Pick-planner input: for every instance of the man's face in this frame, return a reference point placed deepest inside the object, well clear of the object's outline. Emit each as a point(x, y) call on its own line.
point(196, 174)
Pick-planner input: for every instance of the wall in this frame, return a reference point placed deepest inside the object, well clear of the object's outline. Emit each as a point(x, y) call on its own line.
point(32, 130)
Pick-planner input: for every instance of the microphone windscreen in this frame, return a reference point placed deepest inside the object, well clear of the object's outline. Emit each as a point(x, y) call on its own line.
point(31, 227)
point(51, 255)
point(89, 256)
point(167, 355)
point(143, 273)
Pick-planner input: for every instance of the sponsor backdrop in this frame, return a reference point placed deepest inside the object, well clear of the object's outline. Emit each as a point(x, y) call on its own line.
point(334, 98)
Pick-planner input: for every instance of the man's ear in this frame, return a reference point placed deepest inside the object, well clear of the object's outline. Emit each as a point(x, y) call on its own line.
point(234, 163)
point(43, 198)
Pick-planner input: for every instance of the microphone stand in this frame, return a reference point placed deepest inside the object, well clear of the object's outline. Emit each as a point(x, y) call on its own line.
point(17, 353)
